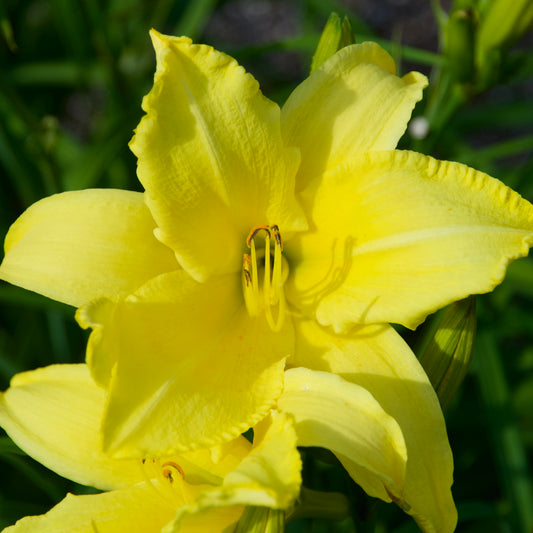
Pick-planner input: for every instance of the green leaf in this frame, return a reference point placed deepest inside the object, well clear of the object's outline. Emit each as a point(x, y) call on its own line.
point(319, 504)
point(507, 446)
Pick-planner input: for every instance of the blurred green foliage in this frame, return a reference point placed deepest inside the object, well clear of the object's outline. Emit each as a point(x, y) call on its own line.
point(73, 74)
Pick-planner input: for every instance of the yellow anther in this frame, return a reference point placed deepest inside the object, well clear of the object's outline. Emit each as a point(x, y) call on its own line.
point(169, 467)
point(255, 231)
point(246, 266)
point(277, 236)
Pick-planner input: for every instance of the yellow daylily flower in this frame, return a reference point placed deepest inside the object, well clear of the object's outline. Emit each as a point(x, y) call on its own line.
point(54, 414)
point(260, 233)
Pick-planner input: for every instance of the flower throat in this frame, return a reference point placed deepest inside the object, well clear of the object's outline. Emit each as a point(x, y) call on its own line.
point(269, 295)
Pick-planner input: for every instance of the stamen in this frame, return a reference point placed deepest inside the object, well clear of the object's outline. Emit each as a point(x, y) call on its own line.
point(151, 479)
point(272, 280)
point(277, 235)
point(266, 282)
point(255, 281)
point(277, 280)
point(249, 285)
point(167, 472)
point(246, 264)
point(162, 479)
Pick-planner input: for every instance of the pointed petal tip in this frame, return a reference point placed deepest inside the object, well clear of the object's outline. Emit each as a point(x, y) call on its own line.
point(160, 40)
point(415, 78)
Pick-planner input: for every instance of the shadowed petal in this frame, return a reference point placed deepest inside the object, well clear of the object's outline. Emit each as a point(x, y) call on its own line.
point(54, 415)
point(377, 359)
point(344, 418)
point(269, 476)
point(138, 509)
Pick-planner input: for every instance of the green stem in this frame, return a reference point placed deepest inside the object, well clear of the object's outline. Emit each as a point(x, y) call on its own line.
point(318, 504)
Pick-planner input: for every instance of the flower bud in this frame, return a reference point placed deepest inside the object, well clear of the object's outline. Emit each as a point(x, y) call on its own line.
point(501, 25)
point(504, 22)
point(261, 520)
point(335, 35)
point(459, 44)
point(323, 505)
point(449, 352)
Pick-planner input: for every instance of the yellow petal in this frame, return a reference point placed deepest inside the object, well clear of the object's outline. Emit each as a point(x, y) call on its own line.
point(54, 415)
point(352, 104)
point(211, 157)
point(377, 359)
point(399, 235)
point(191, 519)
point(345, 418)
point(79, 245)
point(191, 367)
point(211, 465)
point(269, 476)
point(138, 509)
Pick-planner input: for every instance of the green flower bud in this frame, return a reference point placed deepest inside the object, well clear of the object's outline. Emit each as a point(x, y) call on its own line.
point(335, 35)
point(504, 23)
point(319, 504)
point(449, 352)
point(501, 25)
point(459, 44)
point(261, 520)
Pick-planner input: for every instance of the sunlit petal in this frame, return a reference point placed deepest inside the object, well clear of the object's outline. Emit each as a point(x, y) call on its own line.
point(352, 104)
point(211, 465)
point(54, 415)
point(270, 474)
point(79, 245)
point(190, 367)
point(397, 235)
point(211, 157)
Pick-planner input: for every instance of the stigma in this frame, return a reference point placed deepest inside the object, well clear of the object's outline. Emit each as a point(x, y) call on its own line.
point(266, 295)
